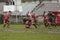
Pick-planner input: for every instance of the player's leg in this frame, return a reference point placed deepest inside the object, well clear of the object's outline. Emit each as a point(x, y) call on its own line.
point(34, 25)
point(7, 23)
point(4, 23)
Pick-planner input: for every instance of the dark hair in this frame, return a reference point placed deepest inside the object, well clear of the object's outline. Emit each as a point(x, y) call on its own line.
point(10, 12)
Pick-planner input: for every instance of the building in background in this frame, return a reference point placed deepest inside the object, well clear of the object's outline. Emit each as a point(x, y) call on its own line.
point(20, 7)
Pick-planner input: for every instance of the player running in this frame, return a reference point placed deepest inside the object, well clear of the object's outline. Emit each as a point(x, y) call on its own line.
point(34, 18)
point(6, 16)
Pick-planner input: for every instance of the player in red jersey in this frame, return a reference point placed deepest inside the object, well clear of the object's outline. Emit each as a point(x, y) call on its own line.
point(34, 18)
point(45, 18)
point(6, 16)
point(27, 20)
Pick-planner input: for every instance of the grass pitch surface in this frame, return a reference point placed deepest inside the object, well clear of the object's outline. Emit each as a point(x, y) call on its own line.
point(19, 32)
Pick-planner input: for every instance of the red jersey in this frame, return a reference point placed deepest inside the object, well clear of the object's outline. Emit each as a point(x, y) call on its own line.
point(44, 16)
point(6, 16)
point(34, 18)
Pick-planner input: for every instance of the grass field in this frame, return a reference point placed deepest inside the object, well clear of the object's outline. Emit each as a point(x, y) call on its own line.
point(19, 32)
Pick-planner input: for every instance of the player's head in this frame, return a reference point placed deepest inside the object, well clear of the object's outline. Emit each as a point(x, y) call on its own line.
point(9, 12)
point(44, 12)
point(28, 14)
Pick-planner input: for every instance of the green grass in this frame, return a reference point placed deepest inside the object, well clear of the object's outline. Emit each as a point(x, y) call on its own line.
point(19, 32)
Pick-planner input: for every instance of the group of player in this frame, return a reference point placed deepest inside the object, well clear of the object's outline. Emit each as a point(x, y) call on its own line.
point(49, 19)
point(28, 20)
